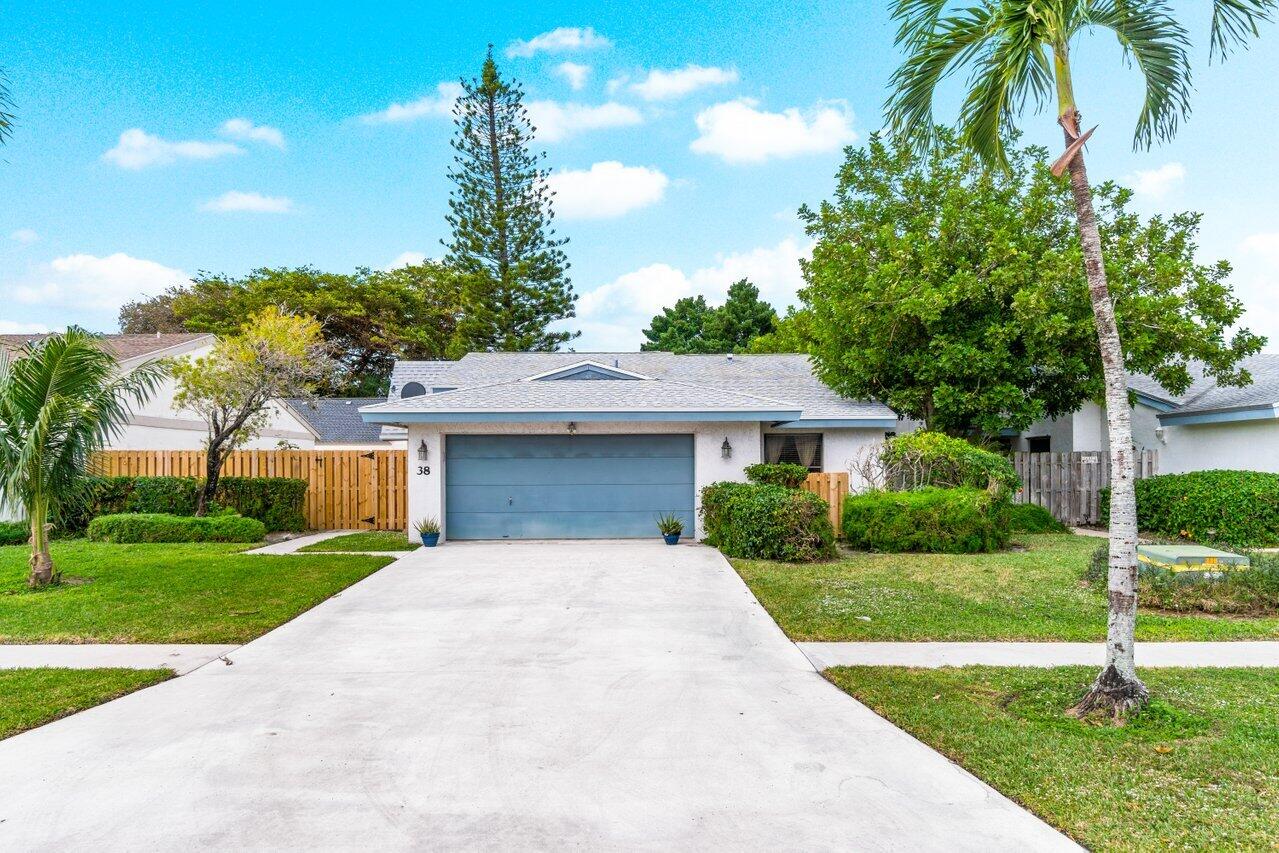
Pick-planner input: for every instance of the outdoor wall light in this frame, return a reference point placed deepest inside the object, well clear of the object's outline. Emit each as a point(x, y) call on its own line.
point(726, 449)
point(421, 451)
point(572, 427)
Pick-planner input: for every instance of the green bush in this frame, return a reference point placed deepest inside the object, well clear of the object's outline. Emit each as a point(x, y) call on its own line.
point(767, 522)
point(933, 459)
point(952, 521)
point(159, 527)
point(14, 532)
point(1033, 518)
point(168, 495)
point(1237, 592)
point(275, 501)
point(784, 474)
point(1234, 508)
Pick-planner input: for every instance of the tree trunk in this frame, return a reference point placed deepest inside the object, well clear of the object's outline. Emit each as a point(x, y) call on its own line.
point(213, 460)
point(1117, 689)
point(43, 572)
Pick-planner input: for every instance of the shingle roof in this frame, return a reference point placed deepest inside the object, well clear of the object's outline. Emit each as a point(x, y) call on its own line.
point(702, 381)
point(337, 419)
point(1206, 395)
point(123, 347)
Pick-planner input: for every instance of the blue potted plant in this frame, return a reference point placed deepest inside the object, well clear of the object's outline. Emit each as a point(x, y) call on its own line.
point(429, 529)
point(671, 527)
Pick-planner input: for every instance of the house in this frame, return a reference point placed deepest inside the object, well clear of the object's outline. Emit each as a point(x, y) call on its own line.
point(597, 445)
point(1209, 426)
point(335, 423)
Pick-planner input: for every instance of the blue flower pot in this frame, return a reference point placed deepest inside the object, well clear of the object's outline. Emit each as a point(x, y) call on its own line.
point(430, 540)
point(671, 538)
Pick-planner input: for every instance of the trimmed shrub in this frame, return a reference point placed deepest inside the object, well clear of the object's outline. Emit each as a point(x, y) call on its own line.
point(933, 459)
point(14, 532)
point(1239, 592)
point(158, 527)
point(767, 522)
point(1235, 508)
point(784, 474)
point(952, 521)
point(1033, 518)
point(167, 495)
point(275, 501)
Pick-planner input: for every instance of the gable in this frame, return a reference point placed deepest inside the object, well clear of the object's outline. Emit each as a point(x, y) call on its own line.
point(585, 370)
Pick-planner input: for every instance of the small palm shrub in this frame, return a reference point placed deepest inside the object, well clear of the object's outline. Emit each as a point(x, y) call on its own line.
point(952, 521)
point(427, 526)
point(767, 522)
point(670, 524)
point(128, 528)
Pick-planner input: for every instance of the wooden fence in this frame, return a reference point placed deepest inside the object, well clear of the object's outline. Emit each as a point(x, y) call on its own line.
point(346, 489)
point(1069, 484)
point(831, 487)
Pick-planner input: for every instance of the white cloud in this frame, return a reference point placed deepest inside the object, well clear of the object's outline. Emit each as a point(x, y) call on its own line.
point(1266, 245)
point(246, 131)
point(559, 40)
point(138, 149)
point(438, 105)
point(406, 259)
point(613, 315)
point(235, 201)
point(606, 190)
point(24, 235)
point(1157, 183)
point(738, 132)
point(90, 283)
point(555, 121)
point(575, 73)
point(9, 327)
point(661, 85)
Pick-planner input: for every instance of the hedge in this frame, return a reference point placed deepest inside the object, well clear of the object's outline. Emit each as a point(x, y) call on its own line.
point(784, 474)
point(952, 521)
point(1236, 508)
point(1033, 518)
point(14, 532)
point(933, 459)
point(127, 528)
point(767, 522)
point(275, 501)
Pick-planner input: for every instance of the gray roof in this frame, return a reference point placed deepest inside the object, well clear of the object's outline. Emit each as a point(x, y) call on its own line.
point(495, 382)
point(1207, 396)
point(336, 420)
point(123, 347)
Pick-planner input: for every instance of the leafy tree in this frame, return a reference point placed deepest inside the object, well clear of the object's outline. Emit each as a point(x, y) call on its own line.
point(514, 275)
point(791, 334)
point(957, 295)
point(61, 399)
point(692, 326)
point(1020, 50)
point(274, 355)
point(369, 318)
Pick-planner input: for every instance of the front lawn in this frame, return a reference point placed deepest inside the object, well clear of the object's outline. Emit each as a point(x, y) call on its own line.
point(367, 540)
point(1197, 770)
point(190, 593)
point(1035, 594)
point(33, 697)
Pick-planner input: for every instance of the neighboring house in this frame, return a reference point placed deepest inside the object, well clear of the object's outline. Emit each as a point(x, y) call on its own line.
point(1209, 426)
point(577, 445)
point(335, 423)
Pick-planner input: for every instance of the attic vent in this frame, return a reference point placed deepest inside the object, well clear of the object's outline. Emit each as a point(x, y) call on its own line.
point(412, 389)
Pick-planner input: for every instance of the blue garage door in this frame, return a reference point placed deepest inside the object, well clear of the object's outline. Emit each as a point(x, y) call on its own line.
point(566, 486)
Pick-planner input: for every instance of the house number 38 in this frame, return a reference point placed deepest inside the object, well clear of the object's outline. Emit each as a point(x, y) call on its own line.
point(423, 469)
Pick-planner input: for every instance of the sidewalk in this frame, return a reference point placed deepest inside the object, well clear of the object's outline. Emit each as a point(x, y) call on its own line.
point(179, 657)
point(826, 655)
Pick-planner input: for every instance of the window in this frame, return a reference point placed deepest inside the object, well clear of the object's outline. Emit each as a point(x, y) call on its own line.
point(412, 389)
point(796, 448)
point(1039, 444)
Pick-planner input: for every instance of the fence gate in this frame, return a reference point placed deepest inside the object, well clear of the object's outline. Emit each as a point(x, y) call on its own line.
point(346, 489)
point(831, 487)
point(1069, 484)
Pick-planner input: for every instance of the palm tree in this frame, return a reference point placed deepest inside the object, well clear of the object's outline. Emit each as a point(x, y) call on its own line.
point(6, 104)
point(1019, 51)
point(61, 399)
point(1235, 21)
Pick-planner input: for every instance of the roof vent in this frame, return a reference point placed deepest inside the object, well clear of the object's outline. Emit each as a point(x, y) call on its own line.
point(615, 364)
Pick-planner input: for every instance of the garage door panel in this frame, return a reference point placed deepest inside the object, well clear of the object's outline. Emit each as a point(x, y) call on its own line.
point(559, 525)
point(487, 472)
point(567, 446)
point(650, 498)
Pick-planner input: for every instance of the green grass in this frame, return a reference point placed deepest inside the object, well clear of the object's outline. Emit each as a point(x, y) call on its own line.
point(1198, 770)
point(1037, 594)
point(189, 593)
point(368, 540)
point(33, 697)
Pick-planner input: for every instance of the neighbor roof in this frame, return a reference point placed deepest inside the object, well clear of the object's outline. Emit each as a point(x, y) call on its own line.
point(767, 387)
point(123, 347)
point(1208, 397)
point(336, 420)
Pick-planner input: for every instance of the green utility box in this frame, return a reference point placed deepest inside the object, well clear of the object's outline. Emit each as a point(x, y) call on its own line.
point(1189, 562)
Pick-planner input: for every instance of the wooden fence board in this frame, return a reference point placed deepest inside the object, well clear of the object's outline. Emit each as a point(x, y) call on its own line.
point(1069, 484)
point(831, 487)
point(346, 489)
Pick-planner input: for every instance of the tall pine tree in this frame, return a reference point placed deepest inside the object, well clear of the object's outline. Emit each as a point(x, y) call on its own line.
point(514, 275)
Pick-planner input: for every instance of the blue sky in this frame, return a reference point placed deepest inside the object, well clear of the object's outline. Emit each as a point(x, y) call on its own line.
point(159, 139)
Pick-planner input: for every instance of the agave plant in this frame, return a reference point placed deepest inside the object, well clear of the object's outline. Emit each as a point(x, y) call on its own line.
point(61, 399)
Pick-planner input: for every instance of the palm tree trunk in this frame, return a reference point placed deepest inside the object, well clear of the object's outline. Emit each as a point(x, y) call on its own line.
point(42, 570)
point(1117, 689)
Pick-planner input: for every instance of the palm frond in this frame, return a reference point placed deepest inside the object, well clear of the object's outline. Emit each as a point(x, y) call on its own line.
point(1153, 39)
point(6, 107)
point(1235, 21)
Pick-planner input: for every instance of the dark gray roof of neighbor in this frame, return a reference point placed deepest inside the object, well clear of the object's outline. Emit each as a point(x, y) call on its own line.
point(123, 347)
point(337, 419)
point(1207, 396)
point(777, 382)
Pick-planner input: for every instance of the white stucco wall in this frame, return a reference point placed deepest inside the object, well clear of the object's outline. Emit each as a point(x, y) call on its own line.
point(1244, 445)
point(1086, 430)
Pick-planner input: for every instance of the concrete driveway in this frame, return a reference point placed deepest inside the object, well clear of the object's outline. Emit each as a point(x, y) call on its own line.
point(591, 695)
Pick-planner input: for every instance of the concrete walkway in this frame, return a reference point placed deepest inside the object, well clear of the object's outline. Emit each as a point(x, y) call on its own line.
point(825, 655)
point(586, 695)
point(181, 658)
point(289, 546)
